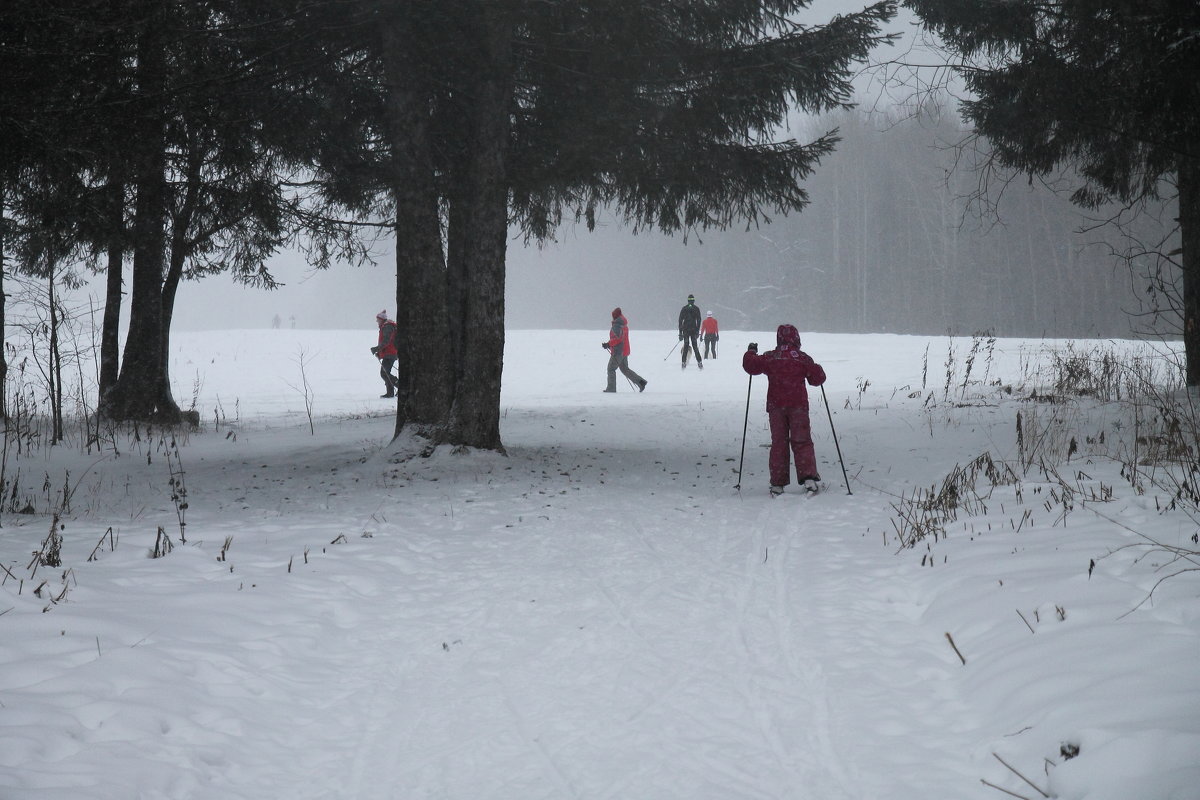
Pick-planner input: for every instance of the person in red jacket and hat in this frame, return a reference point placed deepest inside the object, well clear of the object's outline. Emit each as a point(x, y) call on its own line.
point(708, 329)
point(788, 370)
point(386, 352)
point(618, 353)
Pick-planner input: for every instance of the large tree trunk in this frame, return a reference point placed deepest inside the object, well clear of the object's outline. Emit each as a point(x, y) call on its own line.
point(475, 419)
point(180, 251)
point(422, 331)
point(1189, 231)
point(456, 270)
point(3, 337)
point(137, 394)
point(114, 196)
point(110, 336)
point(168, 408)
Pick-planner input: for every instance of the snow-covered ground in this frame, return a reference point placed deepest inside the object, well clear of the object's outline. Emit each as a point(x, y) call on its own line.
point(600, 613)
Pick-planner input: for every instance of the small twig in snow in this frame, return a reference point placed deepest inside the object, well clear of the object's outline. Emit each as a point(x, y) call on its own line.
point(950, 639)
point(1019, 775)
point(1002, 789)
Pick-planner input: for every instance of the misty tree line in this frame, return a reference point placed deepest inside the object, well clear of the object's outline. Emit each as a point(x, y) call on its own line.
point(897, 240)
point(169, 140)
point(1098, 99)
point(1107, 89)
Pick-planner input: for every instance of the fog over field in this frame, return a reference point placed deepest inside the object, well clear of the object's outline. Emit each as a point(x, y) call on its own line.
point(894, 240)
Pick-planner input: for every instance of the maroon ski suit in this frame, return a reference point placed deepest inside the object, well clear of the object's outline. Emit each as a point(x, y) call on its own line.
point(788, 370)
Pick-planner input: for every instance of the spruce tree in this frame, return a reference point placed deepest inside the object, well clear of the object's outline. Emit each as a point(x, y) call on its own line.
point(145, 127)
point(670, 113)
point(1109, 88)
point(207, 175)
point(55, 77)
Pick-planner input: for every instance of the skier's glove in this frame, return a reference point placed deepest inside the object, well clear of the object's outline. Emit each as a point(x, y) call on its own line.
point(753, 348)
point(605, 345)
point(374, 351)
point(681, 337)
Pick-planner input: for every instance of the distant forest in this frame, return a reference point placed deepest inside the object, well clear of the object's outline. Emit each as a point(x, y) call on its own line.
point(906, 234)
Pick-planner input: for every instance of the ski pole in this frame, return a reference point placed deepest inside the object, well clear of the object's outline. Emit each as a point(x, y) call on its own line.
point(835, 440)
point(668, 355)
point(745, 424)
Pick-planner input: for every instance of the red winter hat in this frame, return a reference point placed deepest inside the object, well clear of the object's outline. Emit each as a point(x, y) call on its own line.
point(616, 312)
point(787, 334)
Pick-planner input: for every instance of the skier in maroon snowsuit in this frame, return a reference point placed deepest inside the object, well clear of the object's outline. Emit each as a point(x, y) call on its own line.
point(788, 369)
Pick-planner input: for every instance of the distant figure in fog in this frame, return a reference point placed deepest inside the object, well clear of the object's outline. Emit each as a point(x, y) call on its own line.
point(788, 368)
point(689, 331)
point(276, 322)
point(386, 352)
point(618, 353)
point(708, 329)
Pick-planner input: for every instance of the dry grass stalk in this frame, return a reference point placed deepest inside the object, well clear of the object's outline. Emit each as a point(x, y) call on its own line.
point(162, 544)
point(1019, 775)
point(112, 543)
point(957, 652)
point(50, 553)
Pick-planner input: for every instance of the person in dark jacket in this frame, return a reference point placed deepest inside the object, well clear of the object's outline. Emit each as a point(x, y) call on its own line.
point(386, 352)
point(689, 331)
point(788, 370)
point(618, 353)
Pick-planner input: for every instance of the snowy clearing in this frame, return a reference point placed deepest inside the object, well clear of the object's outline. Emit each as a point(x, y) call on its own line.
point(600, 614)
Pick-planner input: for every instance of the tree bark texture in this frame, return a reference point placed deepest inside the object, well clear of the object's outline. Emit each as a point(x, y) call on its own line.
point(475, 419)
point(422, 332)
point(1189, 234)
point(54, 366)
point(110, 335)
point(3, 336)
point(180, 251)
point(456, 269)
point(138, 392)
point(168, 407)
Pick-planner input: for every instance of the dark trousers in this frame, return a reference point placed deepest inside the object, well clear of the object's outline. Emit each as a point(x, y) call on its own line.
point(385, 371)
point(710, 345)
point(616, 362)
point(691, 340)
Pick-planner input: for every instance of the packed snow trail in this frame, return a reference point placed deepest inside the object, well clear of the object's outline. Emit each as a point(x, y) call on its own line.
point(714, 644)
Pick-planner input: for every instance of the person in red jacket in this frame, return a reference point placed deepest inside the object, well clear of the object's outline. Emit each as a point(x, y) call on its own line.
point(618, 353)
point(788, 369)
point(386, 352)
point(708, 329)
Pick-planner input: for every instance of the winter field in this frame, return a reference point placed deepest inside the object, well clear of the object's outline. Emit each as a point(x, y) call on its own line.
point(602, 613)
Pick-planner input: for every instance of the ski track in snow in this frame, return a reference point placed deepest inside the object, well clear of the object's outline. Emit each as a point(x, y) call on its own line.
point(758, 707)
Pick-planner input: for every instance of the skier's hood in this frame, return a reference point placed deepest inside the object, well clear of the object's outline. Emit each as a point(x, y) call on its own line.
point(787, 335)
point(616, 312)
